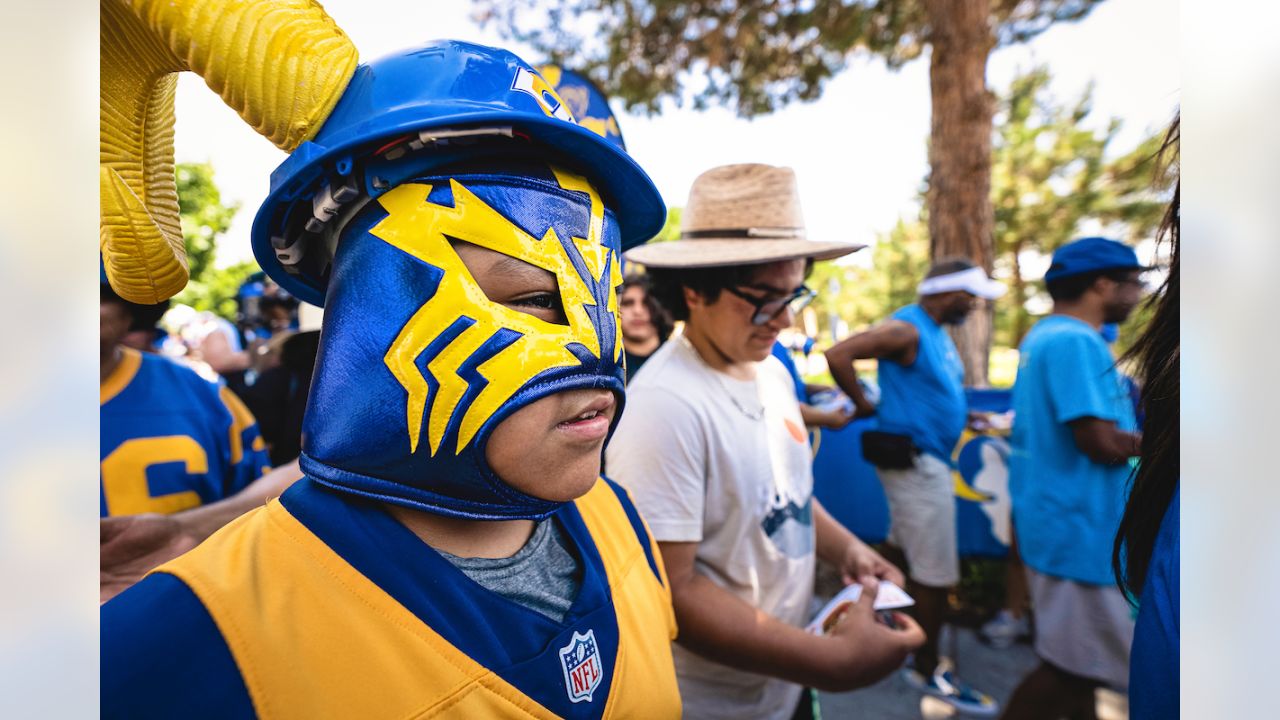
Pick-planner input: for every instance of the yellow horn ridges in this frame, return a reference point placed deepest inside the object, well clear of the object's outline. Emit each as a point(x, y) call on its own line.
point(282, 65)
point(140, 233)
point(144, 263)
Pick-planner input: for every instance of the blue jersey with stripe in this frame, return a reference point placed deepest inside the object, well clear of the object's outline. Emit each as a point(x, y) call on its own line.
point(323, 605)
point(171, 440)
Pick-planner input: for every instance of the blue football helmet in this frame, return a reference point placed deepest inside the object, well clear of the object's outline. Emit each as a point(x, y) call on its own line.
point(449, 96)
point(451, 142)
point(586, 101)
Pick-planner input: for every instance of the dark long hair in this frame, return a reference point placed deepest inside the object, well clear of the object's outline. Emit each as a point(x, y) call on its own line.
point(658, 314)
point(1156, 354)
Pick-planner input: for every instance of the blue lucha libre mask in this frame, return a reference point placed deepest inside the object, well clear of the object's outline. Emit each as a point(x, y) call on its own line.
point(417, 365)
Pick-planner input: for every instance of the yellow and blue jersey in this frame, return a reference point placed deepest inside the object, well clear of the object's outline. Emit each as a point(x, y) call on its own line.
point(321, 605)
point(171, 440)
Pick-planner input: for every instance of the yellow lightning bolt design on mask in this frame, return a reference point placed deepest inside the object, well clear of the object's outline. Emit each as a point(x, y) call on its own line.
point(593, 252)
point(423, 229)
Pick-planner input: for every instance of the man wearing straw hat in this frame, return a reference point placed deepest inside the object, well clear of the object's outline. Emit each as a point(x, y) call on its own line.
point(714, 452)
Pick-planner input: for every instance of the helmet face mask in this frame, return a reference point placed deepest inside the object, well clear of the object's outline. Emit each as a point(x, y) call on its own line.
point(418, 365)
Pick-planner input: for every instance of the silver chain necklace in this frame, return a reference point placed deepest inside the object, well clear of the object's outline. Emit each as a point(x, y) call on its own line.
point(754, 414)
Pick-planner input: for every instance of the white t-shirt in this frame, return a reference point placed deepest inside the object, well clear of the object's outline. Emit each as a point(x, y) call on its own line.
point(725, 463)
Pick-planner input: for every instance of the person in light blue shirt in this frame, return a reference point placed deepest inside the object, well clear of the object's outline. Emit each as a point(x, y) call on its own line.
point(1073, 435)
point(922, 402)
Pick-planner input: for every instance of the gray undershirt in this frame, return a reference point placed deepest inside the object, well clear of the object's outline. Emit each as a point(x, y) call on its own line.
point(543, 576)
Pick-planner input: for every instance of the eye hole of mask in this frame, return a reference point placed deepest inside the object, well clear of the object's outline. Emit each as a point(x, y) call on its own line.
point(513, 283)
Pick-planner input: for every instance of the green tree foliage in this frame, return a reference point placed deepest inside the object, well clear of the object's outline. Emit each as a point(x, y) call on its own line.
point(862, 296)
point(759, 55)
point(754, 55)
point(1049, 174)
point(671, 229)
point(216, 292)
point(204, 219)
point(901, 257)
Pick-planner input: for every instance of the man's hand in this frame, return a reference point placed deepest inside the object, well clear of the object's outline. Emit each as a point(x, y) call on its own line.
point(833, 419)
point(133, 545)
point(861, 561)
point(1103, 442)
point(860, 649)
point(862, 408)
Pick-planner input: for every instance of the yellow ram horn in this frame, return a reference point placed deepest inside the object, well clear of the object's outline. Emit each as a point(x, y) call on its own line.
point(282, 65)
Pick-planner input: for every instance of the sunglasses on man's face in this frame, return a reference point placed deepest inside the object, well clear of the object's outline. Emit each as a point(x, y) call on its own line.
point(767, 308)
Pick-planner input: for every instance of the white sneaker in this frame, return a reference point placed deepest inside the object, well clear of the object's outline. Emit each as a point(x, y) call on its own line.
point(1004, 630)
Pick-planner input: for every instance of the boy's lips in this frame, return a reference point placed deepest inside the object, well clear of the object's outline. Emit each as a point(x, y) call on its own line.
point(592, 419)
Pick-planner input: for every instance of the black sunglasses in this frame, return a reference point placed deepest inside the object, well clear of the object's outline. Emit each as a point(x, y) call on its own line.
point(767, 309)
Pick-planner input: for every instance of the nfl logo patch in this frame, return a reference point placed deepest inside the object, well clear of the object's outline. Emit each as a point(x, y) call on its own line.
point(580, 660)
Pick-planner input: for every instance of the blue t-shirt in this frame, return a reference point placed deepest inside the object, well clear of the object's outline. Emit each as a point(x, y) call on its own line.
point(781, 352)
point(1153, 666)
point(1066, 507)
point(926, 398)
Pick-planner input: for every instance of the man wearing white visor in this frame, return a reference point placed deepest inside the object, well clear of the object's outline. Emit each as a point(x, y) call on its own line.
point(921, 414)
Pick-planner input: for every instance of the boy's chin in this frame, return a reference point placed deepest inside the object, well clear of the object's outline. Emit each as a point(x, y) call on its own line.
point(571, 485)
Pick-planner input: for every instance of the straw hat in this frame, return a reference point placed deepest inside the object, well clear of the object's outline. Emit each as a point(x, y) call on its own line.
point(740, 215)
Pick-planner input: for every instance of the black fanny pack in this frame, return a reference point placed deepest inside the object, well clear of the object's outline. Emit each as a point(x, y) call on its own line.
point(887, 450)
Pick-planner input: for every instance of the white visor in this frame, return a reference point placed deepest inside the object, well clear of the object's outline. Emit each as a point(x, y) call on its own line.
point(973, 281)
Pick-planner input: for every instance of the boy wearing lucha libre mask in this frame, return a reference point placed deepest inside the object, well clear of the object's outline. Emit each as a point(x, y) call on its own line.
point(452, 549)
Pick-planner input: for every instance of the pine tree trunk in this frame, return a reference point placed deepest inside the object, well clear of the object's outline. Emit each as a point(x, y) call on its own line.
point(959, 197)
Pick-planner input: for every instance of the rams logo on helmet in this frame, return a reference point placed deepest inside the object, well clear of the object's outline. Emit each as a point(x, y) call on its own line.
point(527, 81)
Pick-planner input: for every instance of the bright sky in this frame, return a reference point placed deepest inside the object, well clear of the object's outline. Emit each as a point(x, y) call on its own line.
point(859, 151)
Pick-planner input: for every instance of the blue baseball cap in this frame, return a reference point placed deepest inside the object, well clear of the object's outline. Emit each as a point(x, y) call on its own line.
point(1092, 254)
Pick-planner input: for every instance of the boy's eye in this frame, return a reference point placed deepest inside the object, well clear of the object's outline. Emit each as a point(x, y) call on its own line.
point(550, 301)
point(545, 306)
point(514, 283)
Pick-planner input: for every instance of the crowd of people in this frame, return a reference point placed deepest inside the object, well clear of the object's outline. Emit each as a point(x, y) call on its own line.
point(405, 513)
